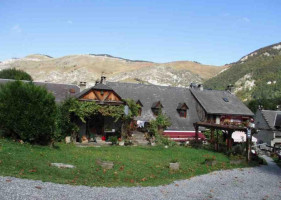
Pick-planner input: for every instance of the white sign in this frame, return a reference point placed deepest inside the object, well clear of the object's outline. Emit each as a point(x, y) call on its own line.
point(248, 133)
point(126, 110)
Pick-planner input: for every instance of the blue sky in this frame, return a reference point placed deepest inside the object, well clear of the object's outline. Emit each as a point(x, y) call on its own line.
point(211, 31)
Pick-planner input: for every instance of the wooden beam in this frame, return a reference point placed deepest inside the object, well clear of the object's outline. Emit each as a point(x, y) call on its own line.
point(220, 126)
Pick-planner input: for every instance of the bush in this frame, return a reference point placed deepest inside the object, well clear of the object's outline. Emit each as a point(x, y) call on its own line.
point(65, 119)
point(196, 143)
point(237, 150)
point(15, 74)
point(156, 128)
point(27, 112)
point(164, 140)
point(113, 140)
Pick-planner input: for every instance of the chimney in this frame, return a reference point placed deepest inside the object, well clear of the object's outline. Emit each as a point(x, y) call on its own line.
point(103, 80)
point(200, 87)
point(82, 85)
point(230, 89)
point(193, 85)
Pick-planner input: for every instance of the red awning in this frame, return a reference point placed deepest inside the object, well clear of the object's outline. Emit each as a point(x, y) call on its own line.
point(183, 135)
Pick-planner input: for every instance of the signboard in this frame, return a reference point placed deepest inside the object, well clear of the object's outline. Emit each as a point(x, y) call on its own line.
point(126, 110)
point(248, 133)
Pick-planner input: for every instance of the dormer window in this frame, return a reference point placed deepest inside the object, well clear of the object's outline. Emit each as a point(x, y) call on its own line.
point(182, 110)
point(156, 108)
point(140, 109)
point(225, 99)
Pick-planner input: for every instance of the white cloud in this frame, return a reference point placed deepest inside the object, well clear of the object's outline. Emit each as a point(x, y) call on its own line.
point(69, 21)
point(16, 28)
point(246, 19)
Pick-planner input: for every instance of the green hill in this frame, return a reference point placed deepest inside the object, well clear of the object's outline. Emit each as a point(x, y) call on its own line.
point(255, 77)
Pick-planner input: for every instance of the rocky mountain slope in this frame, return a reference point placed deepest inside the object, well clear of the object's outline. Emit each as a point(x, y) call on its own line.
point(76, 68)
point(255, 76)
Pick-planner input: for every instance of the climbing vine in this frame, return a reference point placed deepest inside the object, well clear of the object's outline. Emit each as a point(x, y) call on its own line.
point(72, 108)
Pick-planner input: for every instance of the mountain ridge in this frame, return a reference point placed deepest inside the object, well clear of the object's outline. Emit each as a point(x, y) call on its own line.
point(89, 67)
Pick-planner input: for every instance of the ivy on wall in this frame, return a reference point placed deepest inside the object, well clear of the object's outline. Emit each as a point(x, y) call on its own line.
point(85, 109)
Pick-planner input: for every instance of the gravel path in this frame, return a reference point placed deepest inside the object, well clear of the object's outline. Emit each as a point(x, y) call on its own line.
point(262, 182)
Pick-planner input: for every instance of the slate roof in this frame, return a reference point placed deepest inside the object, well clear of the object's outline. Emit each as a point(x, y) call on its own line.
point(277, 121)
point(270, 117)
point(180, 105)
point(170, 97)
point(60, 91)
point(213, 102)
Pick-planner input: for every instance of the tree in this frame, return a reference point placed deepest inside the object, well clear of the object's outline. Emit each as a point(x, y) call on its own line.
point(15, 74)
point(156, 128)
point(27, 112)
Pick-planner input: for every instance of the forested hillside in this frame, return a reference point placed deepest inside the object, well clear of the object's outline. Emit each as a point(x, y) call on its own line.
point(255, 77)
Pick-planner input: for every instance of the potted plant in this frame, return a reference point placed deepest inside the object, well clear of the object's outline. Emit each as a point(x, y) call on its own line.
point(174, 165)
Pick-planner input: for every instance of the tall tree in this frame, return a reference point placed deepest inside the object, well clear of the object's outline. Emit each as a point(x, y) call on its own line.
point(16, 74)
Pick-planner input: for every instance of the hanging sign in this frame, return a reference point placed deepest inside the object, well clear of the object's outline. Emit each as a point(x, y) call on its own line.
point(126, 110)
point(248, 132)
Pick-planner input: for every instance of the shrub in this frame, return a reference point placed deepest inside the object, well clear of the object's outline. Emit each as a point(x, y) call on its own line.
point(113, 140)
point(237, 150)
point(65, 123)
point(196, 143)
point(27, 112)
point(164, 140)
point(15, 74)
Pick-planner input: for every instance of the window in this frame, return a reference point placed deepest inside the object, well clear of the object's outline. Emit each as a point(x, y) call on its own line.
point(140, 109)
point(225, 99)
point(182, 113)
point(72, 90)
point(156, 108)
point(182, 109)
point(155, 111)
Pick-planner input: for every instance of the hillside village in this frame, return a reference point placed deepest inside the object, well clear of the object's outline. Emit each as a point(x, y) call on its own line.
point(176, 79)
point(140, 100)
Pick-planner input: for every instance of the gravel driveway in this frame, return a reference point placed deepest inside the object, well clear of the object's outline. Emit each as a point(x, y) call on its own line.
point(262, 182)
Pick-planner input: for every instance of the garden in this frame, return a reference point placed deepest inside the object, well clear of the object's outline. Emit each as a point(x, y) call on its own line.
point(133, 166)
point(33, 128)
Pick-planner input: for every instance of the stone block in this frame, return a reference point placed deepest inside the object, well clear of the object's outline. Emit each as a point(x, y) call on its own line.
point(105, 164)
point(236, 162)
point(68, 139)
point(210, 162)
point(174, 166)
point(62, 165)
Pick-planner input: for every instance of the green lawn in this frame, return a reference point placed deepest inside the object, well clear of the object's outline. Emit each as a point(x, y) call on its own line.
point(133, 165)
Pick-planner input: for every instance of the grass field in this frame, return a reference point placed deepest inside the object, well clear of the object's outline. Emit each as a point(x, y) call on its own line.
point(133, 166)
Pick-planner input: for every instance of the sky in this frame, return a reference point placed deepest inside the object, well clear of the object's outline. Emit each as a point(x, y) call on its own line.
point(214, 32)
